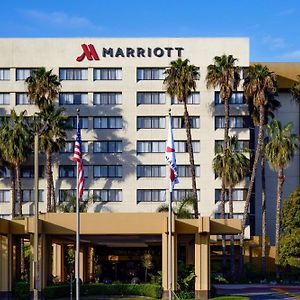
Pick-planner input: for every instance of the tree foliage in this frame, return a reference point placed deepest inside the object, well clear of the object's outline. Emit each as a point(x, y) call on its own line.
point(290, 224)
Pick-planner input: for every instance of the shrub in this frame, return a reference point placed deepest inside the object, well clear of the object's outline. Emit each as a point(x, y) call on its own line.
point(185, 295)
point(20, 290)
point(150, 290)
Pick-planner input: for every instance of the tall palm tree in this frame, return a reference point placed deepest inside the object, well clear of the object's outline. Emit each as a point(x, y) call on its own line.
point(259, 85)
point(180, 81)
point(224, 74)
point(279, 151)
point(51, 140)
point(42, 87)
point(232, 168)
point(270, 107)
point(15, 141)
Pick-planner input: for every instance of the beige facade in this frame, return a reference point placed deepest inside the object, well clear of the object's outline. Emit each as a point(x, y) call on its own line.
point(58, 54)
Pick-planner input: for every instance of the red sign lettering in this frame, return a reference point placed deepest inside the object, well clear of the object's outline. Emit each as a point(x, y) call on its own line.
point(89, 52)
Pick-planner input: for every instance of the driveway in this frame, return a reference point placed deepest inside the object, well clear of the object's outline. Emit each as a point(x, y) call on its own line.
point(259, 291)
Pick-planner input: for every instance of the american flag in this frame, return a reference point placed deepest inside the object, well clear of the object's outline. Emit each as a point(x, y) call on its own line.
point(171, 158)
point(78, 158)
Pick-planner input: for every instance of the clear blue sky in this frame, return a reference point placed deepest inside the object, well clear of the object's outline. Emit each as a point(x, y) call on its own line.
point(272, 26)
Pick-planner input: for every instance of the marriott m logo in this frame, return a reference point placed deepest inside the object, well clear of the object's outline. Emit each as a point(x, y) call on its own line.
point(89, 52)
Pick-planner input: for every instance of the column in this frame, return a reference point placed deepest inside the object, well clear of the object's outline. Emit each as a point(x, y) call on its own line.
point(58, 261)
point(5, 262)
point(91, 253)
point(202, 266)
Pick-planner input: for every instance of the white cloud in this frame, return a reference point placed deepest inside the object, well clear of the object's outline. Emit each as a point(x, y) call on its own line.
point(293, 55)
point(61, 19)
point(274, 42)
point(286, 12)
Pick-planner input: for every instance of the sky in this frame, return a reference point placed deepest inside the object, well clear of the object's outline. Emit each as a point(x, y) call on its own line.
point(272, 26)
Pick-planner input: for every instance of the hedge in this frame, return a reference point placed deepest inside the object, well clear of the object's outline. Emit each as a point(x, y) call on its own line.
point(150, 290)
point(20, 290)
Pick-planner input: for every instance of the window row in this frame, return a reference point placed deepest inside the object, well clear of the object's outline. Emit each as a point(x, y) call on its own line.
point(237, 195)
point(116, 146)
point(26, 172)
point(116, 171)
point(27, 196)
point(234, 122)
point(116, 195)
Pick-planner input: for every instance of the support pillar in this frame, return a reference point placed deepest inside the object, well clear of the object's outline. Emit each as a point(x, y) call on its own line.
point(165, 263)
point(202, 266)
point(5, 266)
point(58, 262)
point(91, 254)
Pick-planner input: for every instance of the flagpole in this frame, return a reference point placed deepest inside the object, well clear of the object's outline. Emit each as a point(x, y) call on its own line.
point(77, 258)
point(170, 235)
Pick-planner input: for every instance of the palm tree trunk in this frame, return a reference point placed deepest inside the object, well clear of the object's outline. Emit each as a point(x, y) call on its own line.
point(225, 148)
point(251, 183)
point(19, 189)
point(13, 192)
point(280, 181)
point(223, 191)
point(191, 155)
point(232, 267)
point(48, 174)
point(263, 214)
point(53, 192)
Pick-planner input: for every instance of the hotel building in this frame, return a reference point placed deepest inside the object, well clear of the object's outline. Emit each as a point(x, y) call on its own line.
point(118, 86)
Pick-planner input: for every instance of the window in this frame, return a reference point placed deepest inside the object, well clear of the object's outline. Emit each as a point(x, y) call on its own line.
point(234, 122)
point(73, 74)
point(236, 98)
point(185, 170)
point(28, 195)
point(151, 147)
point(107, 195)
point(180, 194)
point(241, 144)
point(4, 74)
point(22, 99)
point(108, 147)
point(108, 171)
point(72, 122)
point(194, 98)
point(150, 73)
point(69, 171)
point(107, 98)
point(4, 99)
point(181, 146)
point(108, 123)
point(4, 172)
point(69, 147)
point(22, 74)
point(235, 216)
point(28, 171)
point(73, 98)
point(151, 122)
point(151, 196)
point(178, 122)
point(151, 171)
point(4, 196)
point(65, 195)
point(151, 98)
point(237, 195)
point(108, 74)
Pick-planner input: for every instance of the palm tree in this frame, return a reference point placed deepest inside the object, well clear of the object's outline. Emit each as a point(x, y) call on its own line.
point(42, 87)
point(279, 151)
point(270, 107)
point(259, 85)
point(232, 168)
point(15, 141)
point(296, 90)
point(51, 140)
point(225, 75)
point(180, 81)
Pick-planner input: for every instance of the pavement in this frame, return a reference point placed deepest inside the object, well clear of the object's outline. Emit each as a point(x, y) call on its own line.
point(259, 291)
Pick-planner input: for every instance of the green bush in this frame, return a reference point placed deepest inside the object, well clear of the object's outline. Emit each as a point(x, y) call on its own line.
point(185, 295)
point(20, 290)
point(150, 290)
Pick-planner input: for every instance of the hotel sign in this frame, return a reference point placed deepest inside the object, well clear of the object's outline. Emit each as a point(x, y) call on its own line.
point(90, 53)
